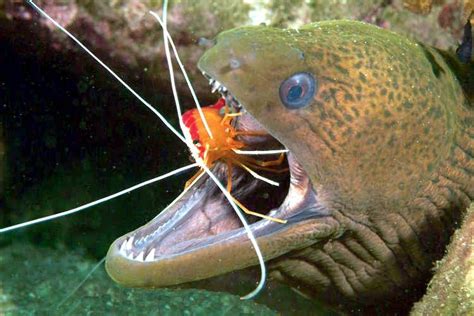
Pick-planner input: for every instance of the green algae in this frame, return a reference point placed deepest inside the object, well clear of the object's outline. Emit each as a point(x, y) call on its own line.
point(38, 281)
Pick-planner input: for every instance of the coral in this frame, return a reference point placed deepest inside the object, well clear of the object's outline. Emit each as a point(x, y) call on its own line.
point(123, 34)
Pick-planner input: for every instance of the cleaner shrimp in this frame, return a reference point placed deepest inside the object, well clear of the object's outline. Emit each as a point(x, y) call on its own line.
point(207, 132)
point(224, 147)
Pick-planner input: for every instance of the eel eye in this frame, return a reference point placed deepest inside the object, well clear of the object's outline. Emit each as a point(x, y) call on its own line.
point(298, 90)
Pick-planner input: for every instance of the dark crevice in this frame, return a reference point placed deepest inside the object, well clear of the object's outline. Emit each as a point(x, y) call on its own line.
point(419, 241)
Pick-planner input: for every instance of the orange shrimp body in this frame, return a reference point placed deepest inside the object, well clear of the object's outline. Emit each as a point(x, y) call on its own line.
point(223, 141)
point(222, 144)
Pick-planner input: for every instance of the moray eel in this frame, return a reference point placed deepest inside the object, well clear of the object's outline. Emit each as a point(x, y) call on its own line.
point(381, 166)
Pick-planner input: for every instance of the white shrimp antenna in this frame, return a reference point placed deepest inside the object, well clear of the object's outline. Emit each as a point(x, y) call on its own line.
point(189, 143)
point(186, 77)
point(251, 236)
point(97, 265)
point(261, 152)
point(104, 199)
point(122, 82)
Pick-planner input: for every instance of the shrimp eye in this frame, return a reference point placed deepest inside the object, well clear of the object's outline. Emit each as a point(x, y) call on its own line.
point(298, 90)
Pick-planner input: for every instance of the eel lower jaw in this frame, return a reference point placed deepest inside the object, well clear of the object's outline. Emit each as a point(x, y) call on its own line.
point(200, 236)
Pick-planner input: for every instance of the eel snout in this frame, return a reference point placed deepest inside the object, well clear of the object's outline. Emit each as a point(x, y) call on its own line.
point(200, 236)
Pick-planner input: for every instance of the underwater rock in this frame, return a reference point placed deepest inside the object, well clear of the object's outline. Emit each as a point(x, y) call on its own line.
point(130, 40)
point(451, 15)
point(425, 6)
point(451, 290)
point(123, 33)
point(468, 9)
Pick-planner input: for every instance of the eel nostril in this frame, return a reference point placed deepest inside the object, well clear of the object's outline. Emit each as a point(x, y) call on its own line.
point(234, 63)
point(206, 43)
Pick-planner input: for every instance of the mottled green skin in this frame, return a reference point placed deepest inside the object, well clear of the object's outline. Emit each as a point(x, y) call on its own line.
point(387, 142)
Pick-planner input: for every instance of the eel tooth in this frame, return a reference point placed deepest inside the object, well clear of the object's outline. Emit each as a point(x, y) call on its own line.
point(130, 243)
point(150, 256)
point(215, 86)
point(140, 256)
point(123, 247)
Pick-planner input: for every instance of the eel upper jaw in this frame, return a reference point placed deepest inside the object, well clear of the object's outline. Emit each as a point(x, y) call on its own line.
point(200, 236)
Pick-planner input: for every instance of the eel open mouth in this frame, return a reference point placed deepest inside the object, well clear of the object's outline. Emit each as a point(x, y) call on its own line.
point(200, 235)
